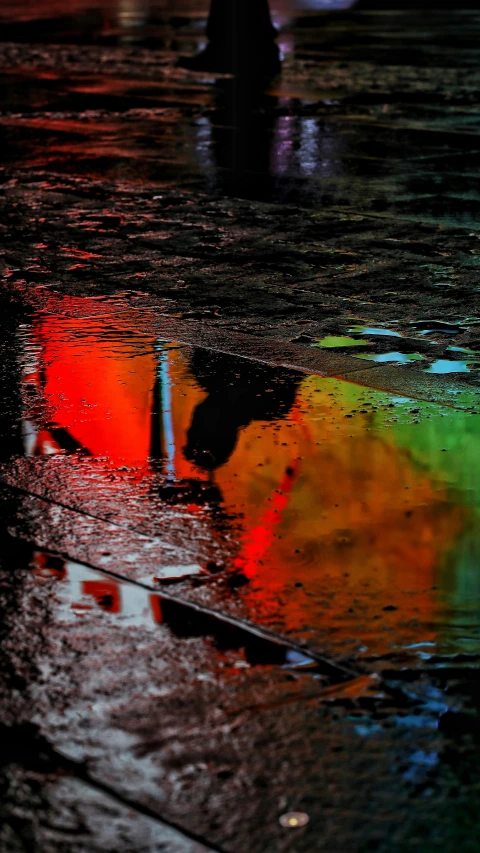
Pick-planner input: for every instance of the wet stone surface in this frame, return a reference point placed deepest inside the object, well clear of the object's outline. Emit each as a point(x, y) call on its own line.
point(237, 590)
point(188, 732)
point(226, 584)
point(291, 495)
point(52, 813)
point(344, 195)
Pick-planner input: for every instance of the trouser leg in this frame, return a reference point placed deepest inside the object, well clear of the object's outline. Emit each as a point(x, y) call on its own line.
point(240, 21)
point(241, 39)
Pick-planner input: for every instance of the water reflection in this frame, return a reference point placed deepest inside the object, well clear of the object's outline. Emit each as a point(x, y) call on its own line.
point(306, 147)
point(236, 140)
point(341, 507)
point(86, 592)
point(228, 136)
point(238, 392)
point(250, 145)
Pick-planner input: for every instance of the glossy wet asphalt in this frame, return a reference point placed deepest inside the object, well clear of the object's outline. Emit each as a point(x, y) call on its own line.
point(234, 589)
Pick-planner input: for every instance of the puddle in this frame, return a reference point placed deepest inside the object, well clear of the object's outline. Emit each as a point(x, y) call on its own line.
point(81, 590)
point(396, 357)
point(337, 512)
point(367, 330)
point(444, 365)
point(334, 341)
point(464, 350)
point(431, 326)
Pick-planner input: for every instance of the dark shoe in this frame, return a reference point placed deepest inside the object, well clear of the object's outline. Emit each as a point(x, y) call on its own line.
point(263, 62)
point(207, 60)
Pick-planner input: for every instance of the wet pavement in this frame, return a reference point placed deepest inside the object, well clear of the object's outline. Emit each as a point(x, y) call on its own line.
point(239, 478)
point(343, 194)
point(231, 590)
point(307, 494)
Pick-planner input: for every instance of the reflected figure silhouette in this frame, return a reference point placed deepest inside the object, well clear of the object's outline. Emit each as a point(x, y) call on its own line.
point(241, 40)
point(242, 136)
point(239, 391)
point(250, 146)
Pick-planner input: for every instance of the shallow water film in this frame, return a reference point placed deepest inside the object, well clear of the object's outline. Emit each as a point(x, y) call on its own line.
point(239, 417)
point(234, 546)
point(357, 508)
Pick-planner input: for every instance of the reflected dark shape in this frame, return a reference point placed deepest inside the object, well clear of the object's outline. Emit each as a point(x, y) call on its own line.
point(185, 622)
point(11, 315)
point(241, 40)
point(242, 137)
point(65, 440)
point(112, 594)
point(156, 450)
point(239, 391)
point(251, 146)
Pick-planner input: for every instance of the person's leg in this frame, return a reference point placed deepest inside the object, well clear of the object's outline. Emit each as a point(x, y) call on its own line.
point(241, 39)
point(240, 20)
